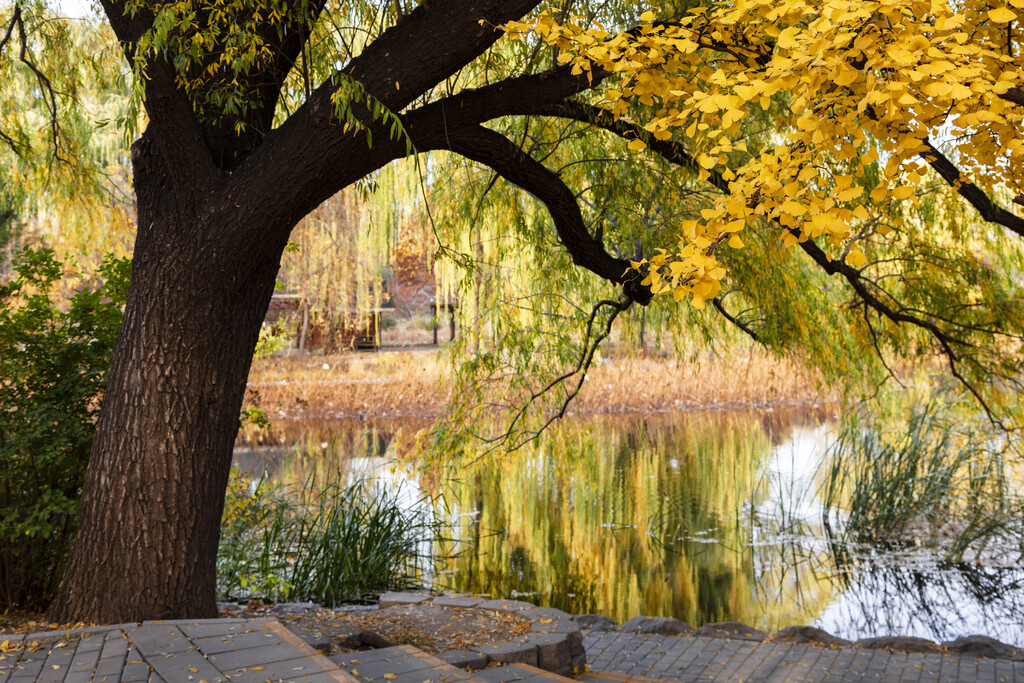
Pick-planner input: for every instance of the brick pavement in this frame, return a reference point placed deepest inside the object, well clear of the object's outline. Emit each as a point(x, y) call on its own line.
point(262, 650)
point(614, 656)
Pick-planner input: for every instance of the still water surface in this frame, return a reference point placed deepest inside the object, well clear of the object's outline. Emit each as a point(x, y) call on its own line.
point(701, 516)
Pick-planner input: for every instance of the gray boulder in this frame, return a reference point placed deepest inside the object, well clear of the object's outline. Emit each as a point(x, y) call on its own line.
point(666, 626)
point(983, 646)
point(900, 643)
point(595, 622)
point(803, 635)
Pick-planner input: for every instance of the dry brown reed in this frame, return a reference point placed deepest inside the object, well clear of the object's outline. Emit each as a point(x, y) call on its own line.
point(411, 382)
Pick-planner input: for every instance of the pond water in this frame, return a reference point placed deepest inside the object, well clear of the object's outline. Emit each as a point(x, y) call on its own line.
point(700, 516)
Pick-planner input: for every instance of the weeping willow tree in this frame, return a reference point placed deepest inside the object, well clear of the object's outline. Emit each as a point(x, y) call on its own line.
point(64, 181)
point(622, 131)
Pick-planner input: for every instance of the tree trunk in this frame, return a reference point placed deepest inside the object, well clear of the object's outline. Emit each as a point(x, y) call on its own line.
point(154, 490)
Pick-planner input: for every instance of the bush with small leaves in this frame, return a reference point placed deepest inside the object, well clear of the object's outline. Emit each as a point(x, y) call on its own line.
point(53, 369)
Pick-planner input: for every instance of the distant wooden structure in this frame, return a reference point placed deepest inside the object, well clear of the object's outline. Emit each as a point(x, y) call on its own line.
point(365, 326)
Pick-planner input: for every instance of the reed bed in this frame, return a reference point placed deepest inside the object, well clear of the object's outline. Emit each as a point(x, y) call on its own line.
point(934, 480)
point(414, 383)
point(330, 540)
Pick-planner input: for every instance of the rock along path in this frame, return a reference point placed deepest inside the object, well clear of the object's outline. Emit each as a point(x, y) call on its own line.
point(263, 650)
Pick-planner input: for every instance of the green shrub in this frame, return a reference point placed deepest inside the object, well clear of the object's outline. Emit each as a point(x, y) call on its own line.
point(328, 542)
point(53, 369)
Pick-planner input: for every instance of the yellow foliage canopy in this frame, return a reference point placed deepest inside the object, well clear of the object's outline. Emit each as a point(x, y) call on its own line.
point(859, 84)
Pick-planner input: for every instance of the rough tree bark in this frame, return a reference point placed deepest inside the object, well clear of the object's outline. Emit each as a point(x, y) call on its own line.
point(154, 492)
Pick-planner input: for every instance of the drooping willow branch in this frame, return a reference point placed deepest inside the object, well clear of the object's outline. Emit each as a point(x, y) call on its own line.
point(510, 162)
point(516, 436)
point(46, 90)
point(948, 341)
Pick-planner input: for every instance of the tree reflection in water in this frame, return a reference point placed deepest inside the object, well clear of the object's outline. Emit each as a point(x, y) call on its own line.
point(704, 517)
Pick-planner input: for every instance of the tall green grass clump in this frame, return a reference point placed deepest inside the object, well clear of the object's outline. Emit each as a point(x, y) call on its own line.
point(326, 541)
point(936, 478)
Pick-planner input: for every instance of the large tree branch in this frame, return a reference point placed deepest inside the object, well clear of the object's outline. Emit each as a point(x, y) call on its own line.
point(321, 161)
point(975, 196)
point(172, 121)
point(514, 165)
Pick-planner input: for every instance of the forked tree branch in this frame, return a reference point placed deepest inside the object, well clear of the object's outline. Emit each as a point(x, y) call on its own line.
point(515, 437)
point(494, 150)
point(45, 86)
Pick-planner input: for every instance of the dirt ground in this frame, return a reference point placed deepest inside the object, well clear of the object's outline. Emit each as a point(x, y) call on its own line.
point(431, 628)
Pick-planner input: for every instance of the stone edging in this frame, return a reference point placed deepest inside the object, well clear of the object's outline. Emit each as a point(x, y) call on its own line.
point(555, 642)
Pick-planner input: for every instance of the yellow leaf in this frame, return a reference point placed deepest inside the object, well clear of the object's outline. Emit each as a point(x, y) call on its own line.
point(254, 668)
point(647, 16)
point(636, 144)
point(1002, 15)
point(735, 242)
point(937, 89)
point(935, 68)
point(849, 194)
point(794, 208)
point(856, 258)
point(846, 76)
point(390, 677)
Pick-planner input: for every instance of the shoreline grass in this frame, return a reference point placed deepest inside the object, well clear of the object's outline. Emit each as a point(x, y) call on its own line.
point(413, 382)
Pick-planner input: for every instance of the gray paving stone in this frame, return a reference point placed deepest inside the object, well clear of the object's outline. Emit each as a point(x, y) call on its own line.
point(1004, 670)
point(857, 667)
point(741, 664)
point(29, 664)
point(135, 671)
point(252, 656)
point(537, 613)
point(708, 649)
point(240, 640)
point(838, 667)
point(284, 670)
point(464, 659)
point(186, 667)
point(895, 663)
point(85, 660)
point(217, 627)
point(506, 605)
point(456, 601)
point(913, 669)
point(403, 598)
point(502, 674)
point(507, 653)
point(158, 639)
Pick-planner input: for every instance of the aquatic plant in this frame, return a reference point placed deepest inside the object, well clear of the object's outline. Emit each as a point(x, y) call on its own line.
point(938, 479)
point(329, 540)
